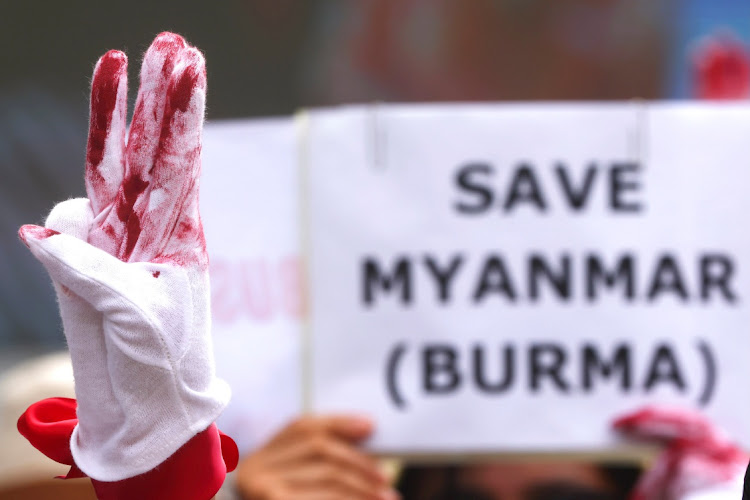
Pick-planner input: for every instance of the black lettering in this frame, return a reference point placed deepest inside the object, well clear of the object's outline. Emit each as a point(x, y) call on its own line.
point(469, 179)
point(506, 367)
point(623, 272)
point(445, 276)
point(440, 373)
point(374, 279)
point(546, 361)
point(716, 271)
point(593, 364)
point(667, 278)
point(576, 196)
point(524, 188)
point(559, 279)
point(621, 182)
point(495, 279)
point(664, 368)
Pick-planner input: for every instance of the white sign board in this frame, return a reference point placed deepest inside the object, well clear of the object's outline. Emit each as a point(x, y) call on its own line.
point(499, 278)
point(249, 207)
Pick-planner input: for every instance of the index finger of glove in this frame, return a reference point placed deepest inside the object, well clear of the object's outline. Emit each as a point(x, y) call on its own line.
point(104, 153)
point(174, 180)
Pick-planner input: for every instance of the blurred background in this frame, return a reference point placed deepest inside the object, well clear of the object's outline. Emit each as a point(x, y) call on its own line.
point(273, 57)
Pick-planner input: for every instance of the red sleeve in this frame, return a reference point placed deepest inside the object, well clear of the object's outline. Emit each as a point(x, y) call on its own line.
point(194, 472)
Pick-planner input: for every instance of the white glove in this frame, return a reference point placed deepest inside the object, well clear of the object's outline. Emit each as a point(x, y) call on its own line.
point(131, 269)
point(698, 462)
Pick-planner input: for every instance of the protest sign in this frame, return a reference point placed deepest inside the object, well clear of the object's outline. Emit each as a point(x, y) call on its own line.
point(249, 207)
point(499, 278)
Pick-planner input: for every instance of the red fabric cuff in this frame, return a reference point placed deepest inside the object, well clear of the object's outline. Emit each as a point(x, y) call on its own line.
point(194, 472)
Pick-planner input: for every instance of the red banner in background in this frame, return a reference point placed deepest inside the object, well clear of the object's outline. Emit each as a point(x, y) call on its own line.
point(721, 68)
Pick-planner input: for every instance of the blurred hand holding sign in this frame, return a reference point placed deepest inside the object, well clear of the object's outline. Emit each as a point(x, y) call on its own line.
point(494, 278)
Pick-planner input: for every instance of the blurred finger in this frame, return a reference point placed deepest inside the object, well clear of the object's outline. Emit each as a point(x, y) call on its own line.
point(294, 438)
point(104, 153)
point(332, 493)
point(327, 450)
point(319, 495)
point(349, 427)
point(325, 474)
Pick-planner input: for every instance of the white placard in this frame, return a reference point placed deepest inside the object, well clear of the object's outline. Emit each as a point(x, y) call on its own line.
point(499, 278)
point(249, 207)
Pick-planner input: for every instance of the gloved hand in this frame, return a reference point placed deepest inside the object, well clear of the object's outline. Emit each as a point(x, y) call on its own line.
point(130, 268)
point(697, 459)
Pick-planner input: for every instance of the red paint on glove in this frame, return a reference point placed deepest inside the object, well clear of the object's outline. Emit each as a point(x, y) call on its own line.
point(35, 231)
point(104, 89)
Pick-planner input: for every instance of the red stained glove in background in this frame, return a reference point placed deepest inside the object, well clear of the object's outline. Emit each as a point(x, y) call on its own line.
point(696, 457)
